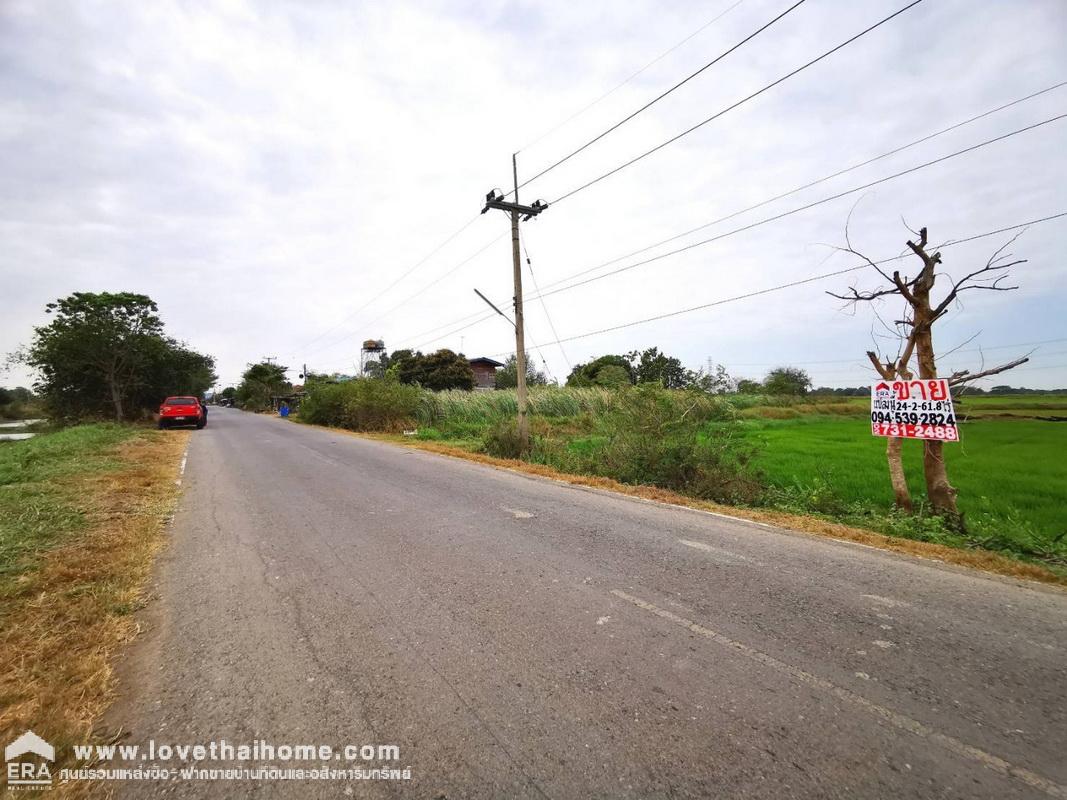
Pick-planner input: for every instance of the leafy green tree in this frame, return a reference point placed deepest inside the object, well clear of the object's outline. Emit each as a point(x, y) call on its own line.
point(400, 361)
point(376, 369)
point(612, 376)
point(586, 374)
point(746, 386)
point(507, 376)
point(106, 354)
point(652, 366)
point(848, 391)
point(646, 366)
point(316, 378)
point(173, 369)
point(259, 383)
point(18, 403)
point(229, 393)
point(441, 370)
point(787, 381)
point(444, 369)
point(716, 380)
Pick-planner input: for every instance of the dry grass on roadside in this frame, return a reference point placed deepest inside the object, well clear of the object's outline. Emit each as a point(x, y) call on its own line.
point(74, 609)
point(975, 559)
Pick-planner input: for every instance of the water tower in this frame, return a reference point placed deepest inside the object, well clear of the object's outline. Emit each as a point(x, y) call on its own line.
point(372, 350)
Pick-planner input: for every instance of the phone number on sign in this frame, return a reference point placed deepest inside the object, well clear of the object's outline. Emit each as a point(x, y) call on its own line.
point(945, 433)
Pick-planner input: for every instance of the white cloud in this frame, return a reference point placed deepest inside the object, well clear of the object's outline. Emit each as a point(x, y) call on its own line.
point(262, 170)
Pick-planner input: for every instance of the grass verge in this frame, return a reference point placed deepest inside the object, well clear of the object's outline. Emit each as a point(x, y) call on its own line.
point(82, 513)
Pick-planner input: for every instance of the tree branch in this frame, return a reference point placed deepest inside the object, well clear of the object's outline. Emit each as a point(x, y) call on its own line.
point(964, 376)
point(857, 296)
point(904, 286)
point(883, 369)
point(980, 283)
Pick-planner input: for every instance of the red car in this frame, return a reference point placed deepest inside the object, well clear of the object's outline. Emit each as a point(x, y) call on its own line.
point(182, 411)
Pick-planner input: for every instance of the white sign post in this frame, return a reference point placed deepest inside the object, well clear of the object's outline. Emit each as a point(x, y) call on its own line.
point(914, 410)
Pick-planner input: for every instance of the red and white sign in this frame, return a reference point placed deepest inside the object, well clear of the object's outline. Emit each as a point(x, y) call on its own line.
point(913, 410)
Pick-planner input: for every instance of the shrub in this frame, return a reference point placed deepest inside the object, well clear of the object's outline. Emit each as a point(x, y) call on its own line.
point(685, 441)
point(16, 410)
point(365, 404)
point(502, 440)
point(802, 497)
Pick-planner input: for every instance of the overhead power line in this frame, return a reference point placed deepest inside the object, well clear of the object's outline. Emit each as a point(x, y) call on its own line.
point(417, 293)
point(663, 94)
point(800, 282)
point(865, 366)
point(544, 306)
point(382, 293)
point(941, 360)
point(537, 347)
point(447, 273)
point(740, 102)
point(705, 225)
point(847, 360)
point(1035, 369)
point(454, 331)
point(618, 86)
point(867, 162)
point(422, 334)
point(798, 209)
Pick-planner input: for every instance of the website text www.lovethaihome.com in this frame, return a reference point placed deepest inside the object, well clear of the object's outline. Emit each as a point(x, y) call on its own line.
point(213, 760)
point(222, 760)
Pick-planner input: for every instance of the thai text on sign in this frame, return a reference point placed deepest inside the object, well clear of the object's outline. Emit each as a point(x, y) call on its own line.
point(916, 409)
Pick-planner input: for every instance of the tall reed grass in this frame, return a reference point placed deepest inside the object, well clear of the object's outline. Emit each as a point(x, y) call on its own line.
point(437, 408)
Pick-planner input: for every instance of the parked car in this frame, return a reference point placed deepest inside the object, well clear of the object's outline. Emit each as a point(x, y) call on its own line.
point(177, 411)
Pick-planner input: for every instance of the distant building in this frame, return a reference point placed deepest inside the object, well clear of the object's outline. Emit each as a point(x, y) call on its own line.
point(292, 400)
point(484, 372)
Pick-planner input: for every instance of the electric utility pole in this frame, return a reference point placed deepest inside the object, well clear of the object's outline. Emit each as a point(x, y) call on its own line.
point(520, 333)
point(495, 200)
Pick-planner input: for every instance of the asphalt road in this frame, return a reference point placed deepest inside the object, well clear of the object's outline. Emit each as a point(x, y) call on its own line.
point(515, 637)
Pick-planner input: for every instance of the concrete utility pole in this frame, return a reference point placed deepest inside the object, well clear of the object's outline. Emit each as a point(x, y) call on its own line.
point(494, 200)
point(520, 334)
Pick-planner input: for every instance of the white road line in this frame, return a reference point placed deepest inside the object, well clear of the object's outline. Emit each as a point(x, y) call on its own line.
point(518, 513)
point(885, 601)
point(707, 548)
point(181, 469)
point(897, 720)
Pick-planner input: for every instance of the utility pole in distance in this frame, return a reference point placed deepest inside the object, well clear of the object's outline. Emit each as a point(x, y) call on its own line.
point(520, 330)
point(495, 199)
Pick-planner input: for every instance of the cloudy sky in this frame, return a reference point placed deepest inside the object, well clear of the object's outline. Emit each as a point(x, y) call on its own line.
point(275, 174)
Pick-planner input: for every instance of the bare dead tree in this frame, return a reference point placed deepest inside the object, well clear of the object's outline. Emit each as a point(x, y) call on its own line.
point(916, 338)
point(890, 369)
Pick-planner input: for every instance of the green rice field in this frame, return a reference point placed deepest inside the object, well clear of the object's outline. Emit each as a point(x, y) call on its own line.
point(1011, 473)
